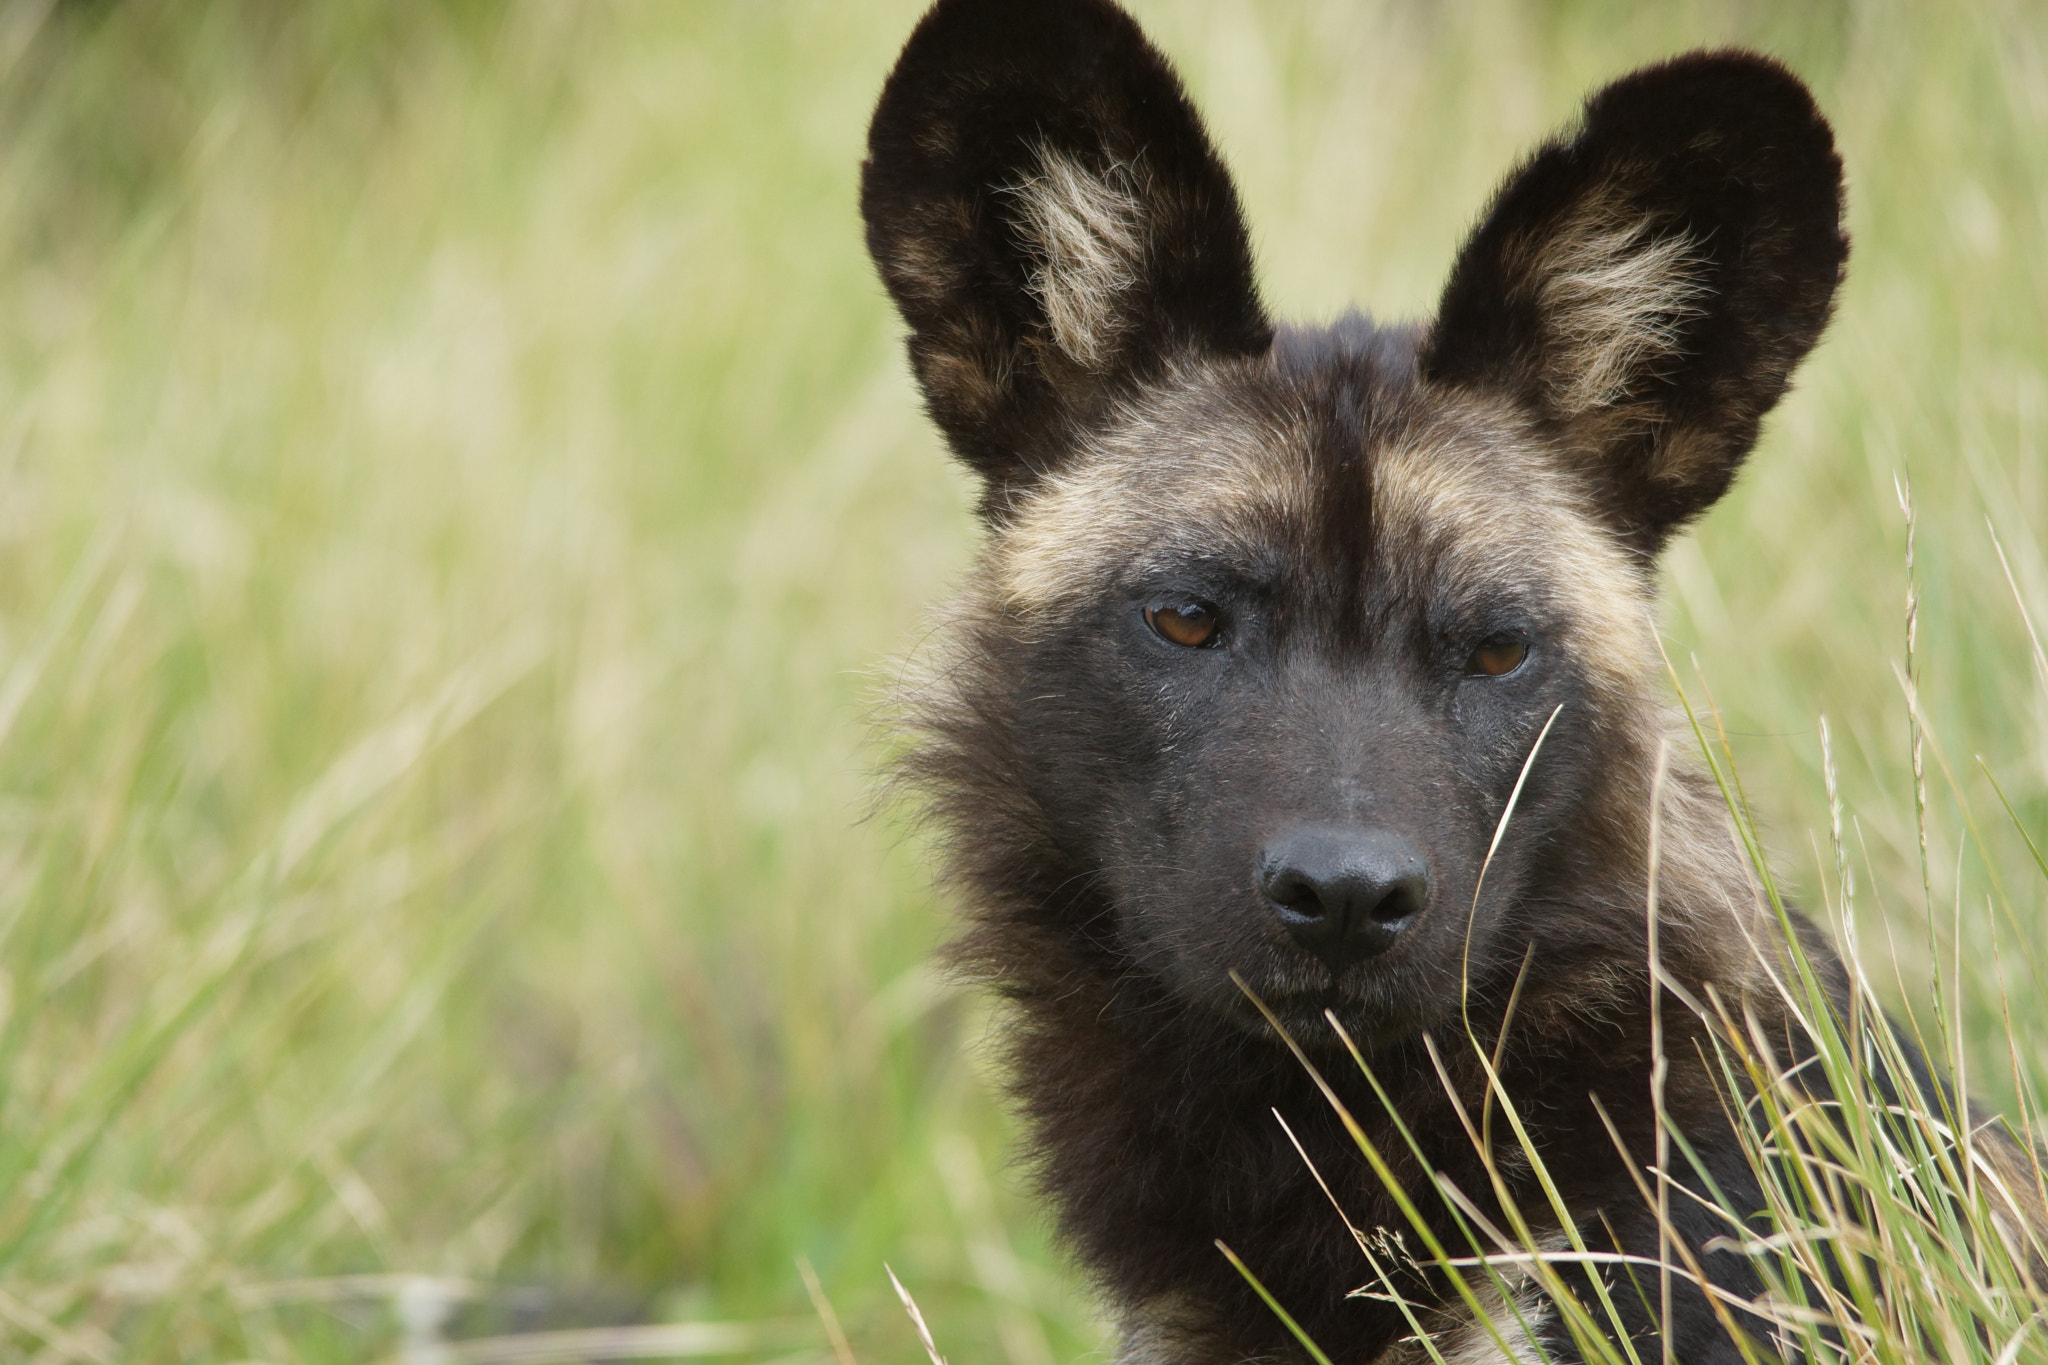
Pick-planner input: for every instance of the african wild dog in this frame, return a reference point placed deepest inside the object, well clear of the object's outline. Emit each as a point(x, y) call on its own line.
point(1267, 627)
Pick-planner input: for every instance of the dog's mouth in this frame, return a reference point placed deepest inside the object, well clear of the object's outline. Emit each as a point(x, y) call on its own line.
point(1306, 1018)
point(1338, 1012)
point(1303, 1013)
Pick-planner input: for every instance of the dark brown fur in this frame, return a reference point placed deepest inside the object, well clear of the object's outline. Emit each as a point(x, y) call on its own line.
point(1361, 507)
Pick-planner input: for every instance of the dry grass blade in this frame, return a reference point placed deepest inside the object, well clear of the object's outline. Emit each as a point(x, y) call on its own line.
point(842, 1349)
point(924, 1331)
point(669, 1341)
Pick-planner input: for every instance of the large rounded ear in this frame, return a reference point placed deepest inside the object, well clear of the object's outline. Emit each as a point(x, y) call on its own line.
point(1052, 222)
point(1646, 285)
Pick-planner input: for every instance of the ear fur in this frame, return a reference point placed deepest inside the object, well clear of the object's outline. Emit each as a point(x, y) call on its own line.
point(1646, 285)
point(1052, 222)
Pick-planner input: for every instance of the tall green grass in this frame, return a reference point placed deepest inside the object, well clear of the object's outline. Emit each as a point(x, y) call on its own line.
point(459, 491)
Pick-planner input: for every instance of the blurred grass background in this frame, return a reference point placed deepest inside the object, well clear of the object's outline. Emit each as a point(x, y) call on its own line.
point(460, 494)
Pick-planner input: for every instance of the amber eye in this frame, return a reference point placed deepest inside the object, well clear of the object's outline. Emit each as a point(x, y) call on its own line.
point(1496, 657)
point(1190, 624)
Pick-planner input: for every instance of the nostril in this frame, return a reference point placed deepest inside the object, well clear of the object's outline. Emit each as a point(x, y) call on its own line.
point(1401, 900)
point(1294, 893)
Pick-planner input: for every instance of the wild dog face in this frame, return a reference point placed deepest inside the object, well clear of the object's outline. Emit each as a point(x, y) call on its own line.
point(1269, 623)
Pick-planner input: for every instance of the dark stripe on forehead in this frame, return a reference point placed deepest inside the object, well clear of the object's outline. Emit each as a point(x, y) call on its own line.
point(1356, 381)
point(1339, 551)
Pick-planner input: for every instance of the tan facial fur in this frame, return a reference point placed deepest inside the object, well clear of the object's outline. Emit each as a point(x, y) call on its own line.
point(1146, 486)
point(1166, 480)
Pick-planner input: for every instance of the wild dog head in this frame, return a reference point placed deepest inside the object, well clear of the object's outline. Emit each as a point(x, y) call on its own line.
point(1270, 620)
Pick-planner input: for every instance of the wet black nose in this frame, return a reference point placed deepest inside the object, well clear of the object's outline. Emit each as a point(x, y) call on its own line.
point(1343, 892)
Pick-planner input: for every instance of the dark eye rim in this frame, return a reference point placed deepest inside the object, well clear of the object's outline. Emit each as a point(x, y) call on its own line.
point(1210, 639)
point(1527, 648)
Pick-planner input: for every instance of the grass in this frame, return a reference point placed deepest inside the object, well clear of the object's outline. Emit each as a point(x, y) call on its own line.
point(459, 491)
